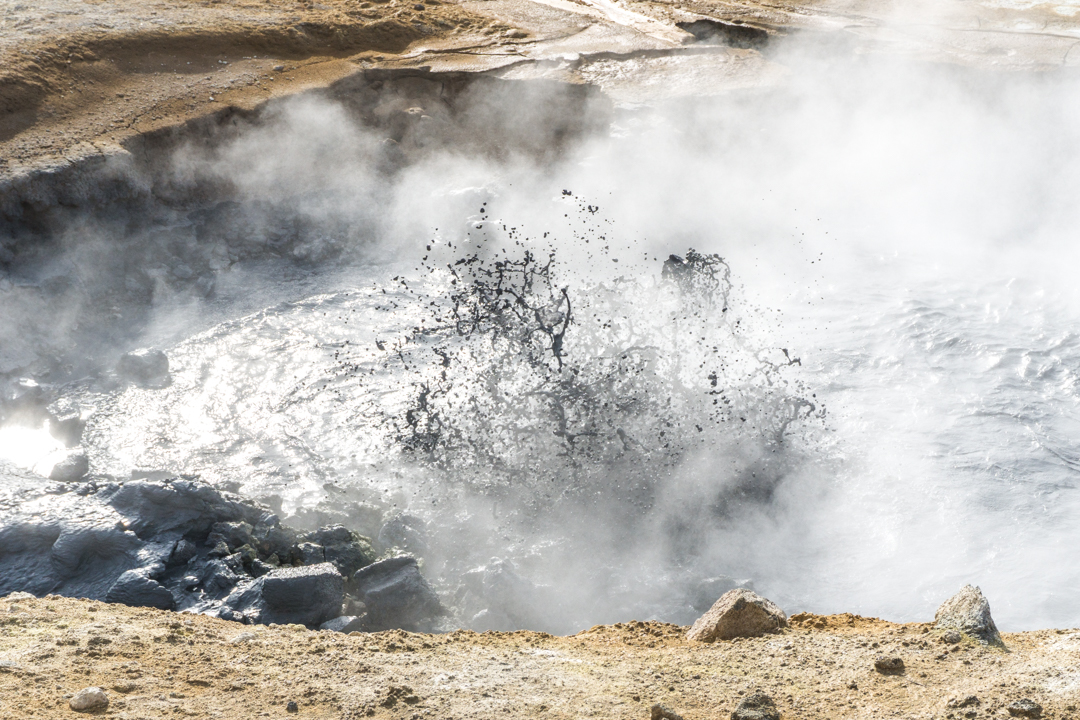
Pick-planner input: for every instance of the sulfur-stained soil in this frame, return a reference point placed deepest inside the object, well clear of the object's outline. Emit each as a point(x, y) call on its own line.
point(157, 664)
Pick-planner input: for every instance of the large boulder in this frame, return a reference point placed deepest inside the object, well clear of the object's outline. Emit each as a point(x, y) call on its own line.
point(738, 613)
point(968, 612)
point(309, 596)
point(396, 595)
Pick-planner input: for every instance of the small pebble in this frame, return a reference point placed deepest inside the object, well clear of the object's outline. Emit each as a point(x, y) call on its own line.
point(292, 707)
point(1025, 708)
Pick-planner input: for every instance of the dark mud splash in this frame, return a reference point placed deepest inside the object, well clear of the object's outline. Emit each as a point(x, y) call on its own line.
point(628, 418)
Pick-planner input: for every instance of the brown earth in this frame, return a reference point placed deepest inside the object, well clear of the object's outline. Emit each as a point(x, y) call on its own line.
point(156, 664)
point(95, 73)
point(80, 77)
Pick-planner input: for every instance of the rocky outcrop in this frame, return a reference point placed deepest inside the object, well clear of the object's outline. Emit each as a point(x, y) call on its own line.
point(968, 612)
point(738, 613)
point(183, 545)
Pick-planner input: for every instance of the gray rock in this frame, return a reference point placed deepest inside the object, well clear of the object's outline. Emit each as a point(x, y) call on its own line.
point(968, 612)
point(756, 706)
point(72, 468)
point(183, 552)
point(347, 550)
point(233, 534)
point(310, 553)
point(136, 589)
point(738, 613)
point(147, 367)
point(89, 700)
point(165, 544)
point(889, 665)
point(302, 595)
point(79, 542)
point(1025, 708)
point(344, 624)
point(396, 595)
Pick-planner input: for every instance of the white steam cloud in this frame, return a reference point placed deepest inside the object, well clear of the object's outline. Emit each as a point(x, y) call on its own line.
point(907, 230)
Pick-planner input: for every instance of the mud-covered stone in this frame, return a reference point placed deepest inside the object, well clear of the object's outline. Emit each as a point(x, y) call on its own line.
point(72, 468)
point(234, 534)
point(137, 589)
point(347, 550)
point(396, 595)
point(297, 595)
point(738, 613)
point(968, 612)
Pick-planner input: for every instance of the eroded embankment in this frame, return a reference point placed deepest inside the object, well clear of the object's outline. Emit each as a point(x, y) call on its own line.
point(153, 663)
point(73, 74)
point(94, 236)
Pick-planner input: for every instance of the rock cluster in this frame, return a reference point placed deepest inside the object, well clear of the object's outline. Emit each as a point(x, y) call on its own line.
point(968, 612)
point(184, 545)
point(738, 613)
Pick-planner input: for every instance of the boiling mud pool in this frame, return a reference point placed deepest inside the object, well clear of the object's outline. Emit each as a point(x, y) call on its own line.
point(869, 403)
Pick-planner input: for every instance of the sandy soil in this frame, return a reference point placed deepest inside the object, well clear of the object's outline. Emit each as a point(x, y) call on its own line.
point(156, 664)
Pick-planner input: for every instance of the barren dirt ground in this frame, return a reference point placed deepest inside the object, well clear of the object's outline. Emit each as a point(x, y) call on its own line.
point(156, 664)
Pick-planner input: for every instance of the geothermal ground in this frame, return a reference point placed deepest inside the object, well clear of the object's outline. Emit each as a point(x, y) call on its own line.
point(155, 664)
point(103, 80)
point(78, 79)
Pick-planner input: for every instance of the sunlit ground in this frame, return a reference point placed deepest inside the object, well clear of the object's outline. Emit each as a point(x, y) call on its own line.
point(30, 448)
